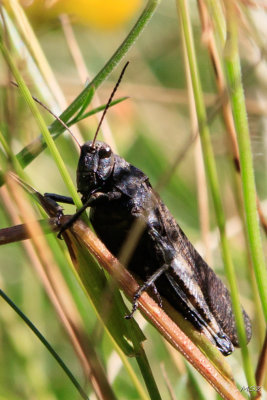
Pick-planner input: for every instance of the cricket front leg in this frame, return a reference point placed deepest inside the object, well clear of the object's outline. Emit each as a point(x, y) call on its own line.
point(51, 202)
point(144, 287)
point(94, 200)
point(59, 198)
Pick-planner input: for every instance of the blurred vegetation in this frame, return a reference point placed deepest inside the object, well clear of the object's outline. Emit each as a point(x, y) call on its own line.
point(150, 129)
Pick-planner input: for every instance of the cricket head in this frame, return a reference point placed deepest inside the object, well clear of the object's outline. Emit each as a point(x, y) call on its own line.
point(97, 159)
point(95, 166)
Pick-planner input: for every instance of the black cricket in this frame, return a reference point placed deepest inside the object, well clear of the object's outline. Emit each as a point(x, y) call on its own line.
point(119, 194)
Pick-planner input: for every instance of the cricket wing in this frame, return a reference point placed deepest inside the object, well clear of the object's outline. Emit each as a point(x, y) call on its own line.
point(214, 292)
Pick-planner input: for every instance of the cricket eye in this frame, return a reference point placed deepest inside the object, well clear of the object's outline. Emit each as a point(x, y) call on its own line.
point(105, 152)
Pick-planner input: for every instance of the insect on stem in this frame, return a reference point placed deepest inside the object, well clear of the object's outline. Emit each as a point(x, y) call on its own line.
point(108, 103)
point(120, 195)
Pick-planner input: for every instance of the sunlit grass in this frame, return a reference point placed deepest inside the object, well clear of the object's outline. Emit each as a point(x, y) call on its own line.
point(149, 131)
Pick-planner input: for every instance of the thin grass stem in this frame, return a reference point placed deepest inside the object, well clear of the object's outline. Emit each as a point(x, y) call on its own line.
point(31, 151)
point(213, 182)
point(46, 344)
point(232, 63)
point(41, 124)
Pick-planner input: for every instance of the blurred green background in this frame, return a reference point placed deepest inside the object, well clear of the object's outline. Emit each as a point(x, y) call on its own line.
point(150, 129)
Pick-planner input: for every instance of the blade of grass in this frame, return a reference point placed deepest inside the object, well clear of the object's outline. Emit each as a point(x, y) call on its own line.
point(218, 17)
point(23, 40)
point(212, 177)
point(62, 300)
point(95, 281)
point(31, 42)
point(147, 374)
point(232, 63)
point(202, 189)
point(194, 385)
point(10, 155)
point(219, 72)
point(27, 94)
point(26, 155)
point(46, 344)
point(88, 359)
point(84, 75)
point(127, 337)
point(96, 110)
point(39, 257)
point(261, 371)
point(41, 124)
point(86, 103)
point(132, 374)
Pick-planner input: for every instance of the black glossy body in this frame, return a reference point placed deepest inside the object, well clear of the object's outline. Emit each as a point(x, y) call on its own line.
point(119, 194)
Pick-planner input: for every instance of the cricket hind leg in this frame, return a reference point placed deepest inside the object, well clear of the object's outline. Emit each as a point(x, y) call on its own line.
point(218, 298)
point(220, 339)
point(222, 310)
point(150, 282)
point(190, 312)
point(154, 290)
point(166, 254)
point(157, 294)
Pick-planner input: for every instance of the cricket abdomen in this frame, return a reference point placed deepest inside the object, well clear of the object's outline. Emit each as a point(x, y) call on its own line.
point(113, 224)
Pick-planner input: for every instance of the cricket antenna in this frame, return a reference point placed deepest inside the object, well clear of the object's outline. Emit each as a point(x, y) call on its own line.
point(54, 115)
point(109, 101)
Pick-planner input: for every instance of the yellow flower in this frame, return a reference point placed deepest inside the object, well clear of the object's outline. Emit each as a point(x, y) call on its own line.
point(102, 14)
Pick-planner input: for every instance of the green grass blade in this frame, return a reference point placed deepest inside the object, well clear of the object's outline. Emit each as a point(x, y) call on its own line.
point(232, 63)
point(81, 116)
point(41, 124)
point(28, 154)
point(46, 344)
point(149, 380)
point(213, 181)
point(86, 103)
point(111, 310)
